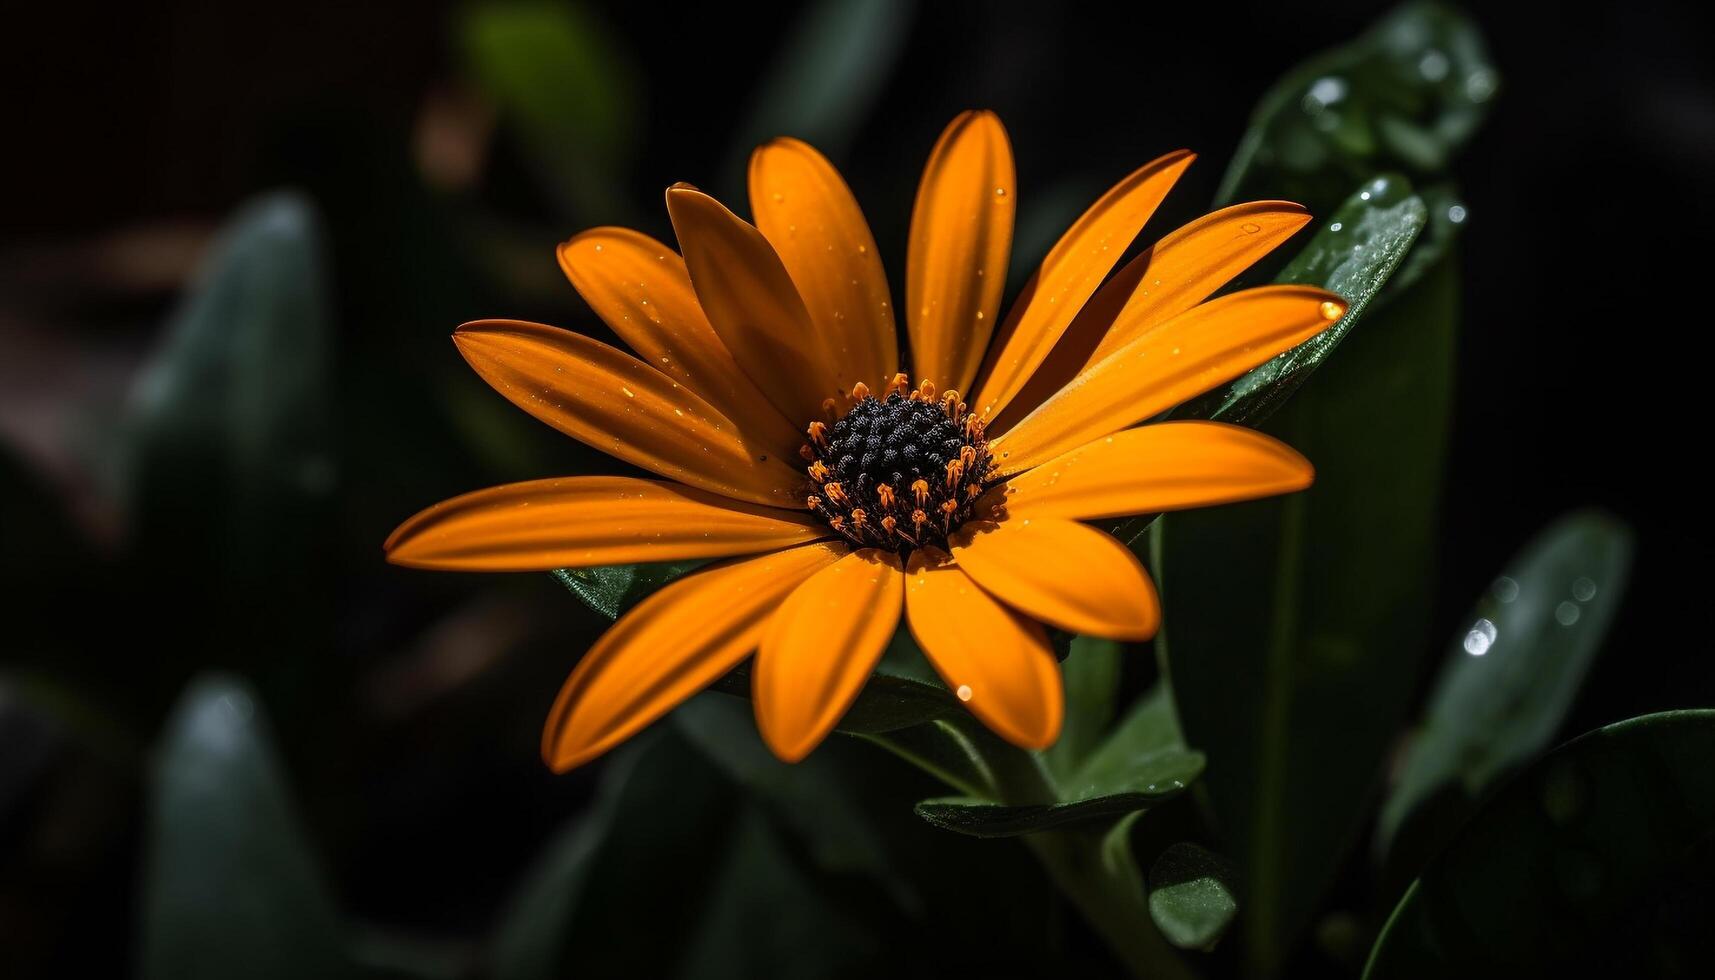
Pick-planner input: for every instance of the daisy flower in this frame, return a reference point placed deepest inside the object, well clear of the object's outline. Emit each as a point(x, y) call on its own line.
point(844, 483)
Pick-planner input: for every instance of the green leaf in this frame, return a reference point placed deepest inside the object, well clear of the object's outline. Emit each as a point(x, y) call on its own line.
point(978, 817)
point(1191, 896)
point(1149, 732)
point(1142, 764)
point(564, 83)
point(229, 465)
point(1294, 625)
point(832, 67)
point(1599, 860)
point(632, 869)
point(1447, 217)
point(1406, 96)
point(1353, 255)
point(231, 886)
point(943, 749)
point(1510, 678)
point(613, 589)
point(1091, 673)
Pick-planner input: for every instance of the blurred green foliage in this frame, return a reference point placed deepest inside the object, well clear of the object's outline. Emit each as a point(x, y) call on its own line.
point(1509, 680)
point(1597, 860)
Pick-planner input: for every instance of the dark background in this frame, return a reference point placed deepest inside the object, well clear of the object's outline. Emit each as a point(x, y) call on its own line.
point(136, 129)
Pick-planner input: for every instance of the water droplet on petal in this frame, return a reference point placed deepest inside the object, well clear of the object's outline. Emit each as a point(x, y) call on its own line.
point(1332, 310)
point(964, 692)
point(1250, 227)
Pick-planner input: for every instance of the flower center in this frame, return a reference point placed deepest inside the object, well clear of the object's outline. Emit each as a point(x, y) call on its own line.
point(897, 471)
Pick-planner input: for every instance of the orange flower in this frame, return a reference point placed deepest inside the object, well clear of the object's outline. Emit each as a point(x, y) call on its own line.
point(837, 509)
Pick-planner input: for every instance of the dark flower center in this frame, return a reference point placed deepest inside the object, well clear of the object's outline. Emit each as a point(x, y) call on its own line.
point(899, 471)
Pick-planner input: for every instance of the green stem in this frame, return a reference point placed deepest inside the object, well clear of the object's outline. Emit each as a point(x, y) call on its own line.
point(1111, 898)
point(1094, 870)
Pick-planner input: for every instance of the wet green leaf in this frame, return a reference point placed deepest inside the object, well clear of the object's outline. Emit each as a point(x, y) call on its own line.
point(613, 589)
point(832, 67)
point(231, 886)
point(563, 83)
point(1191, 896)
point(1598, 860)
point(1353, 255)
point(1406, 96)
point(1294, 625)
point(1510, 677)
point(228, 462)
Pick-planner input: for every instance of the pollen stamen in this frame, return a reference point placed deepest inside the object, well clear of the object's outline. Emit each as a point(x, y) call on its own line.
point(913, 450)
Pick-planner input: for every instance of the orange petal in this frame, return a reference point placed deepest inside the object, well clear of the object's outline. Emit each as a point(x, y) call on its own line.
point(640, 289)
point(1182, 270)
point(1075, 266)
point(619, 405)
point(996, 661)
point(581, 521)
point(1155, 468)
point(752, 304)
point(821, 647)
point(1064, 573)
point(1205, 346)
point(675, 643)
point(809, 215)
point(961, 235)
point(1191, 263)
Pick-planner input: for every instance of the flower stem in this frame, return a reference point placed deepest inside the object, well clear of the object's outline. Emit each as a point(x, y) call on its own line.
point(1110, 896)
point(1095, 869)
